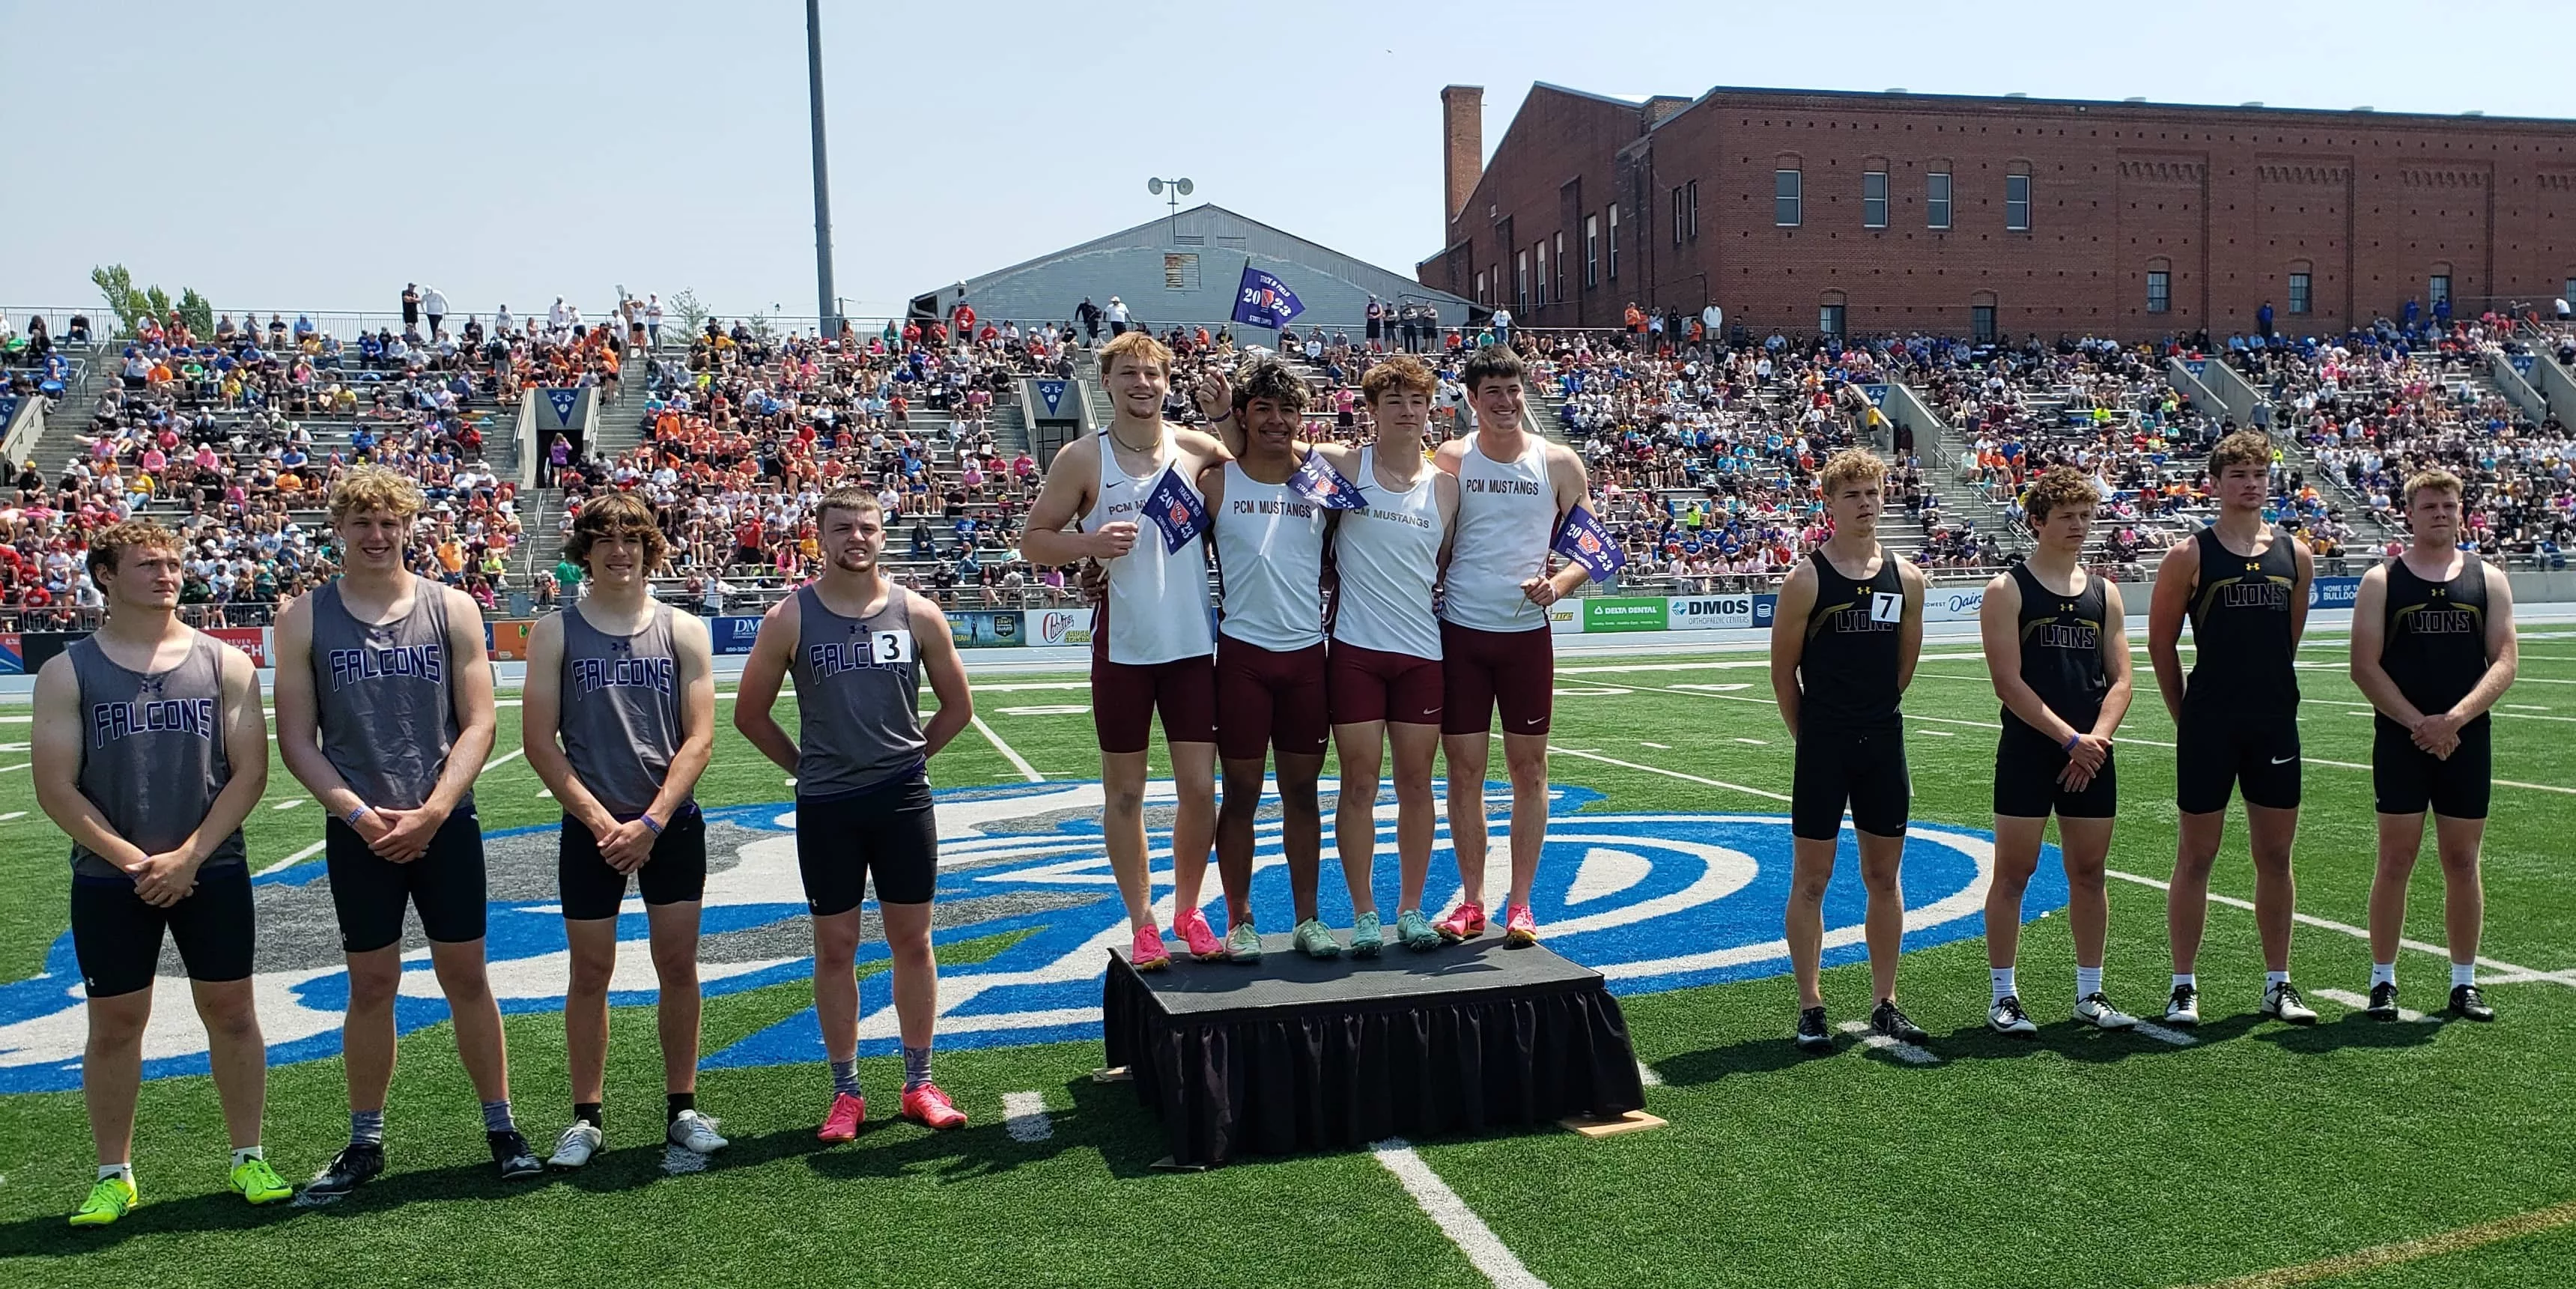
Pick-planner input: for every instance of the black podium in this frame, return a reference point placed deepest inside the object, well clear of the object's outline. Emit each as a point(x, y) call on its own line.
point(1292, 1054)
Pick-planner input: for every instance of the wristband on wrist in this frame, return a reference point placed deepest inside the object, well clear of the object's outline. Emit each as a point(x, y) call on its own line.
point(2071, 741)
point(647, 817)
point(357, 814)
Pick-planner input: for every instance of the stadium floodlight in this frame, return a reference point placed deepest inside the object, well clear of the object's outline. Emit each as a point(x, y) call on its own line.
point(825, 302)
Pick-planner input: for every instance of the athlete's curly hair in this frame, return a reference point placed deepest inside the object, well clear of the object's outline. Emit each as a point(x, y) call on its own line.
point(2058, 487)
point(616, 514)
point(1401, 374)
point(2244, 447)
point(1269, 379)
point(108, 545)
point(1848, 465)
point(374, 487)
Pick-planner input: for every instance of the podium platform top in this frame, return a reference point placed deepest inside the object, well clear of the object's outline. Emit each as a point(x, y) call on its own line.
point(1287, 979)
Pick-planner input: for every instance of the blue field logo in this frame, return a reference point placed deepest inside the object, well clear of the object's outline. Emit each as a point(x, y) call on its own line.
point(1654, 901)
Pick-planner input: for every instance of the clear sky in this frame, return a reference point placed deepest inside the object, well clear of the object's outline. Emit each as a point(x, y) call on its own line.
point(288, 154)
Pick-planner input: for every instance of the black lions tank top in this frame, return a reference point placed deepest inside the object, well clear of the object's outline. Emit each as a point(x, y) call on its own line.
point(1847, 675)
point(2435, 646)
point(2240, 628)
point(2061, 647)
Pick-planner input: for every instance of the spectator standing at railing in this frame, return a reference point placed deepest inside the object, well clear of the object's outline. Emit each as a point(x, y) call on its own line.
point(433, 302)
point(411, 304)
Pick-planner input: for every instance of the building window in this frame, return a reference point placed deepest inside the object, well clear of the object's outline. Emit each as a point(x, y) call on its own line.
point(1559, 292)
point(1480, 287)
point(1981, 323)
point(1936, 199)
point(1692, 209)
point(2017, 203)
point(1591, 251)
point(2569, 289)
point(1677, 215)
point(1542, 275)
point(1520, 282)
point(2159, 291)
point(1829, 319)
point(1873, 199)
point(1614, 242)
point(2299, 293)
point(1787, 189)
point(2438, 292)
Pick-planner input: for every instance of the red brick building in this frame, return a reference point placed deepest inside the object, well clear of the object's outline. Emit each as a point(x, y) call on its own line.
point(1898, 212)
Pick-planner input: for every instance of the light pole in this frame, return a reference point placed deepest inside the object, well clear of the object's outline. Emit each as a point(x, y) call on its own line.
point(1179, 188)
point(825, 304)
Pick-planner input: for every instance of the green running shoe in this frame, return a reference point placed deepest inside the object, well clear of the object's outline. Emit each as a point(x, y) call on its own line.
point(1414, 931)
point(107, 1202)
point(1366, 938)
point(1243, 943)
point(259, 1183)
point(1315, 940)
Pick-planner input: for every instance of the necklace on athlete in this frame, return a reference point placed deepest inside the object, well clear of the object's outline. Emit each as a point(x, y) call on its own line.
point(1113, 437)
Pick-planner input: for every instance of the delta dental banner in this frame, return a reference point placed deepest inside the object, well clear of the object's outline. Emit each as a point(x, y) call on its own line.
point(1617, 613)
point(1264, 301)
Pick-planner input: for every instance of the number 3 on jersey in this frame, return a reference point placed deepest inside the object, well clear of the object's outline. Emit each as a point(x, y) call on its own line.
point(890, 647)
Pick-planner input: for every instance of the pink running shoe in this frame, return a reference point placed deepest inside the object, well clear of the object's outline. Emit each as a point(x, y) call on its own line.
point(1519, 928)
point(1192, 926)
point(1465, 922)
point(1148, 953)
point(842, 1124)
point(928, 1106)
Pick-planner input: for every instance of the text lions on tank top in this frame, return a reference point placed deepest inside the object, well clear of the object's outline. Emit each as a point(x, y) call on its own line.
point(152, 751)
point(1388, 554)
point(2061, 647)
point(620, 712)
point(2240, 628)
point(2434, 645)
point(1847, 674)
point(858, 697)
point(1506, 515)
point(1157, 607)
point(1270, 556)
point(386, 694)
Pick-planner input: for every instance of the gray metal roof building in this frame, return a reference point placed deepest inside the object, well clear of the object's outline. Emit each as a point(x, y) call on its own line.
point(1184, 269)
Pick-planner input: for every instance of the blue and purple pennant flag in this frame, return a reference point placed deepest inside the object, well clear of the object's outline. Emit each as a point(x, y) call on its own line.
point(1317, 481)
point(1174, 507)
point(1581, 538)
point(1264, 301)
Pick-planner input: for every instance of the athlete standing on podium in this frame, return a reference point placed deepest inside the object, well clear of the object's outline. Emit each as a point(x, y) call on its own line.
point(1151, 647)
point(1514, 489)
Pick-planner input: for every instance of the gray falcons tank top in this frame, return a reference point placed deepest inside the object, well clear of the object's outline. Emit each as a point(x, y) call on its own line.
point(152, 751)
point(621, 709)
point(858, 697)
point(386, 697)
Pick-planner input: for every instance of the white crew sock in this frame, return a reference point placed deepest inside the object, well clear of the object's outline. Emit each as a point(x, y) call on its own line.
point(2382, 973)
point(2003, 982)
point(2271, 978)
point(247, 1153)
point(2190, 978)
point(2088, 982)
point(2463, 973)
point(124, 1170)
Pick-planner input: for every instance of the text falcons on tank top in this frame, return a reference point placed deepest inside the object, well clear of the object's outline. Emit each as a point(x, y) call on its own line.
point(858, 697)
point(621, 709)
point(386, 694)
point(152, 751)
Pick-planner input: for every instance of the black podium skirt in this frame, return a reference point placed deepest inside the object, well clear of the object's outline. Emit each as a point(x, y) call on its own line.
point(1294, 1055)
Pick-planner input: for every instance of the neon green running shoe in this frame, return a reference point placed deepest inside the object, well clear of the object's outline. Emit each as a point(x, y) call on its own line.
point(108, 1201)
point(259, 1183)
point(1315, 940)
point(1366, 938)
point(1414, 931)
point(1243, 943)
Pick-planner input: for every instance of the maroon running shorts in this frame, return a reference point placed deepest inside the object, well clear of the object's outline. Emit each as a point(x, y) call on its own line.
point(1482, 670)
point(1374, 685)
point(1125, 696)
point(1266, 698)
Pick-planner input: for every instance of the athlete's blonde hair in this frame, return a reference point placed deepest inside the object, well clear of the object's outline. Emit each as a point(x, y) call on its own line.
point(1402, 374)
point(1137, 344)
point(1847, 466)
point(374, 487)
point(2244, 447)
point(2438, 481)
point(108, 545)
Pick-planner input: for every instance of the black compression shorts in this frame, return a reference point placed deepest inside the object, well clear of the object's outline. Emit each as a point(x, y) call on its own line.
point(676, 874)
point(886, 832)
point(1865, 772)
point(445, 884)
point(2026, 786)
point(117, 936)
point(2216, 753)
point(2410, 780)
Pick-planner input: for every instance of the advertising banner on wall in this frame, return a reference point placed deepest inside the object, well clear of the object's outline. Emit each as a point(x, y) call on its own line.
point(987, 628)
point(1953, 603)
point(733, 635)
point(250, 640)
point(1051, 628)
point(1707, 612)
point(2333, 592)
point(1623, 613)
point(13, 659)
point(507, 639)
point(1565, 617)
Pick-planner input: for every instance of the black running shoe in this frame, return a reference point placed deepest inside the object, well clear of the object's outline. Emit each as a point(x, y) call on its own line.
point(510, 1151)
point(2470, 1003)
point(1891, 1022)
point(355, 1166)
point(1813, 1034)
point(2383, 1001)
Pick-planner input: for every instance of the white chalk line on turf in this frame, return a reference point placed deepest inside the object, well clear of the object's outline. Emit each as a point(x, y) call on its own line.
point(291, 860)
point(1018, 762)
point(1675, 774)
point(1906, 1052)
point(2357, 1003)
point(2164, 1035)
point(1024, 1116)
point(1485, 1251)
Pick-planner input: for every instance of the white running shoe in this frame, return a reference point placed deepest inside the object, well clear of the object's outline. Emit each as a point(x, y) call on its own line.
point(2007, 1017)
point(576, 1146)
point(2184, 1008)
point(2282, 1001)
point(2095, 1010)
point(694, 1131)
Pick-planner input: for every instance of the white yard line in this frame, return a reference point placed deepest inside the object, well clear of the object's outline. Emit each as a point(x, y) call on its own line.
point(1018, 762)
point(291, 860)
point(2358, 1003)
point(1485, 1251)
point(1024, 1116)
point(4, 769)
point(1870, 1038)
point(2355, 932)
point(289, 804)
point(504, 759)
point(1646, 1075)
point(1674, 774)
point(14, 814)
point(2164, 1035)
